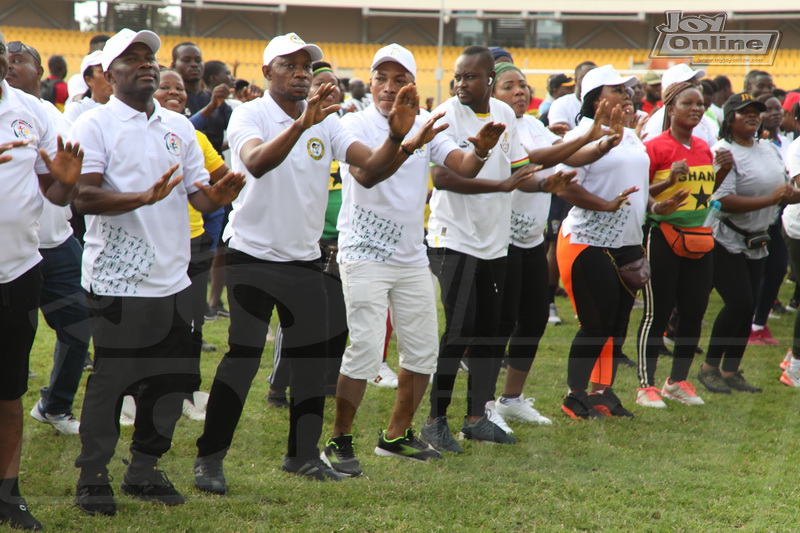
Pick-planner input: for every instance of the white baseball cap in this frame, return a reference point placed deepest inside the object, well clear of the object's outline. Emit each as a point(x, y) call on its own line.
point(95, 58)
point(123, 39)
point(678, 73)
point(398, 54)
point(283, 45)
point(605, 75)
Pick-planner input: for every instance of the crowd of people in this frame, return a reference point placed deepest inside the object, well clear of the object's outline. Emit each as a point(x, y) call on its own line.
point(159, 181)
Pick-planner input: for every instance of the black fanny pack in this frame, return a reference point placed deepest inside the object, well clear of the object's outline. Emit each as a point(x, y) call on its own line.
point(752, 240)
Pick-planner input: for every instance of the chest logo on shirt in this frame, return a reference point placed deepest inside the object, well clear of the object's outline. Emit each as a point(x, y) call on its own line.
point(505, 145)
point(22, 130)
point(315, 148)
point(173, 143)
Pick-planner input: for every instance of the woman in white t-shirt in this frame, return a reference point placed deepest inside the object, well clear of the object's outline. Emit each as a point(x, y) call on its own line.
point(525, 305)
point(749, 196)
point(791, 226)
point(602, 232)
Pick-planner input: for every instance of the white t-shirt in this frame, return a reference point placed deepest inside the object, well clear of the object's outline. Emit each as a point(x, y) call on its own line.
point(791, 215)
point(756, 171)
point(565, 110)
point(75, 109)
point(626, 165)
point(385, 223)
point(22, 116)
point(529, 210)
point(280, 216)
point(53, 224)
point(144, 252)
point(707, 129)
point(477, 224)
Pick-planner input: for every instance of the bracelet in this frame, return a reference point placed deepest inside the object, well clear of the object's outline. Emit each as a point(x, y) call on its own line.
point(397, 140)
point(406, 150)
point(600, 150)
point(482, 159)
point(653, 208)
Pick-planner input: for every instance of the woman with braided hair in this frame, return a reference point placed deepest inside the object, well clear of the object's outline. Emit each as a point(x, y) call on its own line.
point(678, 245)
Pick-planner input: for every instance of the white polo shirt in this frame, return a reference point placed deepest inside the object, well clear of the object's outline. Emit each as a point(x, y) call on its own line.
point(385, 223)
point(477, 224)
point(75, 109)
point(21, 117)
point(529, 210)
point(144, 252)
point(707, 129)
point(53, 225)
point(564, 110)
point(280, 216)
point(626, 165)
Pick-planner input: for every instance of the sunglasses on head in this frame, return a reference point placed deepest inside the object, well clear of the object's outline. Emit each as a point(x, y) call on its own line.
point(15, 47)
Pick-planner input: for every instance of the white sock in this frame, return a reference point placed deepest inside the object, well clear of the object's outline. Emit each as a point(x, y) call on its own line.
point(794, 364)
point(757, 327)
point(509, 401)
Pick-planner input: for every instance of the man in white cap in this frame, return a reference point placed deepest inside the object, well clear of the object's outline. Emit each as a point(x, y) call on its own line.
point(384, 264)
point(98, 91)
point(706, 130)
point(565, 110)
point(284, 144)
point(134, 269)
point(28, 175)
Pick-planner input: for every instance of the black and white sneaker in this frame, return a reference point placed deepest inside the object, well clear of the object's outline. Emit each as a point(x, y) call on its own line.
point(94, 495)
point(484, 430)
point(438, 435)
point(407, 446)
point(153, 486)
point(340, 455)
point(14, 513)
point(311, 468)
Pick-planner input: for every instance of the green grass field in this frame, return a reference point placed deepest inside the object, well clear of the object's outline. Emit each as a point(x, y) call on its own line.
point(727, 465)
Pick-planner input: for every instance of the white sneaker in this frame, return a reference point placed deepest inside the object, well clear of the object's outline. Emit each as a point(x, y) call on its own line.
point(191, 411)
point(520, 409)
point(649, 397)
point(554, 318)
point(683, 391)
point(386, 378)
point(495, 418)
point(65, 423)
point(789, 378)
point(787, 360)
point(128, 414)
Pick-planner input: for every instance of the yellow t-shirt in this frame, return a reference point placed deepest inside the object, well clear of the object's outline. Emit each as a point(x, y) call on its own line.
point(212, 162)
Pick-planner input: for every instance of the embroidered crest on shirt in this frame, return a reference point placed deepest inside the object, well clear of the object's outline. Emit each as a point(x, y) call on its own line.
point(22, 130)
point(505, 145)
point(373, 237)
point(173, 143)
point(315, 148)
point(123, 263)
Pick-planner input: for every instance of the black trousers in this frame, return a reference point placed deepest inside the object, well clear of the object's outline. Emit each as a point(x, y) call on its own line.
point(19, 318)
point(736, 279)
point(471, 292)
point(142, 345)
point(676, 282)
point(199, 267)
point(255, 288)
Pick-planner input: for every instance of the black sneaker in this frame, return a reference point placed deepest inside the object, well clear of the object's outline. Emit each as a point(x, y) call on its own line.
point(312, 468)
point(14, 513)
point(340, 455)
point(220, 311)
point(713, 381)
point(153, 486)
point(94, 495)
point(208, 475)
point(607, 403)
point(737, 381)
point(278, 399)
point(206, 347)
point(408, 446)
point(210, 315)
point(576, 406)
point(793, 305)
point(484, 430)
point(778, 308)
point(438, 435)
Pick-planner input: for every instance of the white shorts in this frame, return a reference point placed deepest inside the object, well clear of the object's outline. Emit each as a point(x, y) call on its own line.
point(370, 290)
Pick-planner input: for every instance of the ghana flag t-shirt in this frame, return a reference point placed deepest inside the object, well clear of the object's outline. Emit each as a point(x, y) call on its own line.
point(665, 150)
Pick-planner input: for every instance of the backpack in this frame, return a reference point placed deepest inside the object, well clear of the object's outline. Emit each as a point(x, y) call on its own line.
point(48, 91)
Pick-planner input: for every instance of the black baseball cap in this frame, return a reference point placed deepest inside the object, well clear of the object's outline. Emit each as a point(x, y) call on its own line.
point(561, 80)
point(740, 101)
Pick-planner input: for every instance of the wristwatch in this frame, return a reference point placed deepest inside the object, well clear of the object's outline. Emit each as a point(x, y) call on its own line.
point(482, 159)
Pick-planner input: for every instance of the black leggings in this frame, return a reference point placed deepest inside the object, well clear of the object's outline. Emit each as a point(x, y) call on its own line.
point(794, 257)
point(774, 272)
point(675, 282)
point(736, 279)
point(604, 308)
point(523, 318)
